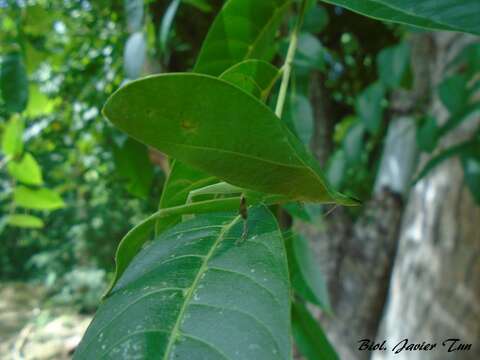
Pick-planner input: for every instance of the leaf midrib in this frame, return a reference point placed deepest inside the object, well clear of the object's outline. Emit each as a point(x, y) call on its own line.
point(203, 269)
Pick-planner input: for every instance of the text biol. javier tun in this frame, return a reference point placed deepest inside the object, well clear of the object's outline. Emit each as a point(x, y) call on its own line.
point(448, 345)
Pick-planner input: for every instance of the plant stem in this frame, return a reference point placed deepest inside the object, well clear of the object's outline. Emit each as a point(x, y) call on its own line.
point(287, 66)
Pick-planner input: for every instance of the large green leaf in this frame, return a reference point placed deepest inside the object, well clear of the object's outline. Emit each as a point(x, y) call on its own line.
point(14, 82)
point(26, 170)
point(196, 293)
point(41, 199)
point(309, 336)
point(218, 128)
point(244, 29)
point(434, 14)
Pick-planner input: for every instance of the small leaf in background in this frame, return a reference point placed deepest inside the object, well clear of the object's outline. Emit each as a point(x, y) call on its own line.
point(256, 77)
point(14, 82)
point(394, 65)
point(353, 143)
point(439, 14)
point(456, 150)
point(369, 107)
point(299, 113)
point(336, 169)
point(166, 24)
point(306, 277)
point(199, 284)
point(309, 337)
point(38, 103)
point(244, 29)
point(310, 52)
point(37, 20)
point(427, 134)
point(41, 199)
point(134, 55)
point(134, 14)
point(471, 170)
point(453, 93)
point(25, 221)
point(316, 19)
point(133, 164)
point(12, 139)
point(26, 170)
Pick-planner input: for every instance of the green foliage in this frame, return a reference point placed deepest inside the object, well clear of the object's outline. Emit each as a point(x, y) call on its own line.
point(442, 14)
point(193, 285)
point(307, 280)
point(12, 142)
point(25, 221)
point(244, 29)
point(370, 108)
point(41, 199)
point(14, 82)
point(393, 65)
point(26, 170)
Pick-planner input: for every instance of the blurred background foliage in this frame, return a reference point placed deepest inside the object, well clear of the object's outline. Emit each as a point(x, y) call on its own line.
point(71, 185)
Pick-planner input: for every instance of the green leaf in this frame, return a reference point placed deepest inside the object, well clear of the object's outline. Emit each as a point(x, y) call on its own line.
point(41, 199)
point(244, 29)
point(134, 55)
point(437, 14)
point(353, 143)
point(26, 170)
point(134, 14)
point(133, 164)
point(309, 337)
point(369, 107)
point(134, 240)
point(454, 93)
point(25, 221)
point(393, 65)
point(220, 130)
point(196, 293)
point(299, 113)
point(12, 139)
point(428, 134)
point(307, 279)
point(316, 19)
point(310, 53)
point(38, 103)
point(471, 169)
point(457, 150)
point(166, 24)
point(253, 76)
point(337, 168)
point(14, 82)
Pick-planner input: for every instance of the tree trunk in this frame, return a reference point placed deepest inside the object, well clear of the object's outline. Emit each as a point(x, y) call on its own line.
point(434, 292)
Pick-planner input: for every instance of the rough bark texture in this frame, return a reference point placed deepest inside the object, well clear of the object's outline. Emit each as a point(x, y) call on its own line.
point(435, 287)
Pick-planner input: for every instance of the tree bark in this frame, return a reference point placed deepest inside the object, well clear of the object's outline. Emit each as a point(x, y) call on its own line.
point(434, 292)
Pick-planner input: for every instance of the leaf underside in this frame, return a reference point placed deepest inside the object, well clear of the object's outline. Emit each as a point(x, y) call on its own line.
point(220, 130)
